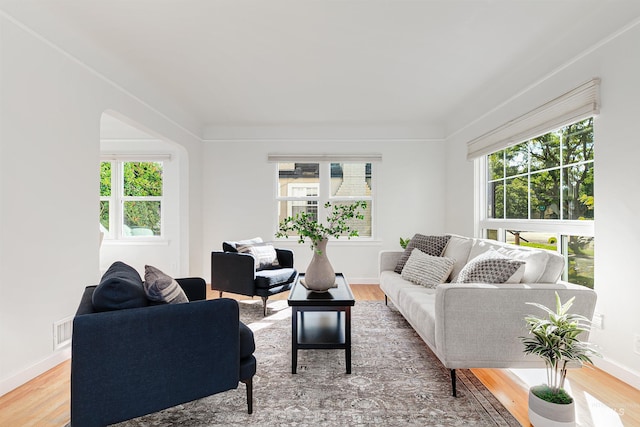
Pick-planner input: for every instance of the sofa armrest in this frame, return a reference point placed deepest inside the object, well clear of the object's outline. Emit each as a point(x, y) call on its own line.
point(479, 325)
point(194, 287)
point(387, 260)
point(128, 363)
point(285, 258)
point(233, 272)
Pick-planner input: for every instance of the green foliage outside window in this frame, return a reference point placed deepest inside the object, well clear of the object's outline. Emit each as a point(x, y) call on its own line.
point(140, 180)
point(548, 177)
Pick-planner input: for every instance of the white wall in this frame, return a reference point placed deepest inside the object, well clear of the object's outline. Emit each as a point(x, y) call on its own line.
point(50, 112)
point(617, 205)
point(239, 190)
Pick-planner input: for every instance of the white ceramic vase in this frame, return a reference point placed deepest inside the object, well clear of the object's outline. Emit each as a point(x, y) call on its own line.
point(320, 276)
point(547, 414)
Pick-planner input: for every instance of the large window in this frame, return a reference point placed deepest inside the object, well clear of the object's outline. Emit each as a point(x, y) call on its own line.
point(540, 193)
point(303, 187)
point(131, 199)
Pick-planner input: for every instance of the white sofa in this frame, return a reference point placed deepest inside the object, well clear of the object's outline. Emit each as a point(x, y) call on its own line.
point(478, 325)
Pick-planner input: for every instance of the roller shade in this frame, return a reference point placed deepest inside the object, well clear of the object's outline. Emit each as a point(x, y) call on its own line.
point(316, 158)
point(571, 107)
point(135, 157)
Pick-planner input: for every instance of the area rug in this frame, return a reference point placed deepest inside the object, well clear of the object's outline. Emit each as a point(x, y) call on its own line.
point(395, 381)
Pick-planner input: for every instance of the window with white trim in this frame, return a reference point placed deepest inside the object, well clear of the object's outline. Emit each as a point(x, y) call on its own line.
point(303, 186)
point(540, 193)
point(131, 199)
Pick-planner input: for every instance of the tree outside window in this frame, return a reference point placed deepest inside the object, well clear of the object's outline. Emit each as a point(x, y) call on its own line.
point(131, 199)
point(539, 185)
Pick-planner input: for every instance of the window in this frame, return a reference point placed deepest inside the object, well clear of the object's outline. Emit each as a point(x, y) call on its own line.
point(540, 193)
point(302, 187)
point(131, 195)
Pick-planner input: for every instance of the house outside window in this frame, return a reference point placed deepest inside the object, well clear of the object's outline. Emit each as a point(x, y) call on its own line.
point(131, 199)
point(540, 193)
point(303, 186)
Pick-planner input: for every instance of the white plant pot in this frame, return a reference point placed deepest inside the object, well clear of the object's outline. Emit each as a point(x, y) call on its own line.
point(547, 414)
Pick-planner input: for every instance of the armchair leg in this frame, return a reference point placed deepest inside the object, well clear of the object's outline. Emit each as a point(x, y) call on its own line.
point(249, 383)
point(264, 306)
point(453, 382)
point(386, 302)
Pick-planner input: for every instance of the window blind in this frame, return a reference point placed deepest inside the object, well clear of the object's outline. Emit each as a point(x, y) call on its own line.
point(573, 106)
point(315, 158)
point(135, 157)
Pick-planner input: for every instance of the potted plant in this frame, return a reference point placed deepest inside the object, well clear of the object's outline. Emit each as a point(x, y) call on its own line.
point(320, 275)
point(555, 338)
point(404, 242)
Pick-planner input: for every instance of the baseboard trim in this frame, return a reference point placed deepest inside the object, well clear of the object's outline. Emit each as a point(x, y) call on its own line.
point(620, 372)
point(363, 280)
point(15, 381)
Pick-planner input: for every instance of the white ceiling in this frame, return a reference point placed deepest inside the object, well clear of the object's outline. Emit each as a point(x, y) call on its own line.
point(315, 62)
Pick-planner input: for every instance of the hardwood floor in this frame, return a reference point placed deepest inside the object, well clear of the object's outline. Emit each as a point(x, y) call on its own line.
point(601, 399)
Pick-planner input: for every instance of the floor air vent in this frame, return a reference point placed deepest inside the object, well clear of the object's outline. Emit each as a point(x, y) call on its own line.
point(62, 333)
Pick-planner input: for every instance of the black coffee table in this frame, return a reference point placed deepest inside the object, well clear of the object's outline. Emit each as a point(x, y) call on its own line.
point(321, 320)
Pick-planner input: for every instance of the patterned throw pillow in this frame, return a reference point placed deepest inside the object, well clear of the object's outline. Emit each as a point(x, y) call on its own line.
point(160, 287)
point(489, 267)
point(426, 270)
point(264, 254)
point(430, 245)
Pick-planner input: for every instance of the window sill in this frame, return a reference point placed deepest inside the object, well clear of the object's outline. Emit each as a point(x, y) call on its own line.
point(136, 242)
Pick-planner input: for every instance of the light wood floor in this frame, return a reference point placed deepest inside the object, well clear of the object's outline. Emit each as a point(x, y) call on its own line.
point(601, 399)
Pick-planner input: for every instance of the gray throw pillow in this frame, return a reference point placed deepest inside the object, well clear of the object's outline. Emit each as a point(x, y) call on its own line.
point(160, 287)
point(426, 270)
point(430, 245)
point(489, 267)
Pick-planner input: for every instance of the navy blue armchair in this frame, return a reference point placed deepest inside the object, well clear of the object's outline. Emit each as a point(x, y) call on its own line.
point(132, 362)
point(236, 272)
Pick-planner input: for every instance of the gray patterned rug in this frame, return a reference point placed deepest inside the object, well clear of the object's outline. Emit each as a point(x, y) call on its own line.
point(395, 381)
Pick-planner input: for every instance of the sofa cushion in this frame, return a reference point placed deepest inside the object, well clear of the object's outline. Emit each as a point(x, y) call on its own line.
point(431, 245)
point(535, 262)
point(120, 288)
point(247, 342)
point(489, 267)
point(264, 254)
point(554, 270)
point(391, 283)
point(160, 287)
point(266, 279)
point(417, 305)
point(458, 248)
point(426, 270)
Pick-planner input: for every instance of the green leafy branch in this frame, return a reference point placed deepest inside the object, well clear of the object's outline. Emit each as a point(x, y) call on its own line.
point(305, 226)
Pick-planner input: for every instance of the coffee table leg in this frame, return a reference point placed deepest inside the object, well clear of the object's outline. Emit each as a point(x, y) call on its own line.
point(294, 340)
point(347, 337)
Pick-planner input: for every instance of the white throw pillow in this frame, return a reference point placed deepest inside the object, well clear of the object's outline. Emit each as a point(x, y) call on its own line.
point(535, 262)
point(426, 270)
point(264, 254)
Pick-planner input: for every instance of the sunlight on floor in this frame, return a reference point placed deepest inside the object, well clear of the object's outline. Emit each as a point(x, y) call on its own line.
point(279, 308)
point(589, 410)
